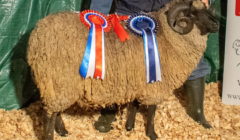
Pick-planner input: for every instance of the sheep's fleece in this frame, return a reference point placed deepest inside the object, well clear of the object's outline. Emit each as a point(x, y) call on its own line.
point(57, 45)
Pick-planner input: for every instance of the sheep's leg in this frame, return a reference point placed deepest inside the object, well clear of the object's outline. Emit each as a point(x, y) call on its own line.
point(105, 120)
point(49, 123)
point(150, 123)
point(133, 107)
point(59, 126)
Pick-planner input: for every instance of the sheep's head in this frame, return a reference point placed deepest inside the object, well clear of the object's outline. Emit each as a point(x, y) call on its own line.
point(181, 18)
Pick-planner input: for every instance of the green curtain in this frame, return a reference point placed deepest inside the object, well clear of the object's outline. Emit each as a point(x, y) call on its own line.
point(214, 53)
point(17, 20)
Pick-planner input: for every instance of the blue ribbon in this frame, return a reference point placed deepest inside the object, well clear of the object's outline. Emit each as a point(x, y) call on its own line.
point(146, 26)
point(84, 66)
point(149, 45)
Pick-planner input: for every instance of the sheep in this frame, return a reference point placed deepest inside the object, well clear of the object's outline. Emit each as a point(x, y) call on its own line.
point(55, 52)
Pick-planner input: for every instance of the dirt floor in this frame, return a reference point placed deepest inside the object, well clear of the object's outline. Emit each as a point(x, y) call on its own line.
point(171, 121)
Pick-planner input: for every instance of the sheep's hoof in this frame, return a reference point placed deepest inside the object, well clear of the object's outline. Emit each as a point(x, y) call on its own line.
point(152, 135)
point(59, 126)
point(130, 124)
point(129, 127)
point(62, 132)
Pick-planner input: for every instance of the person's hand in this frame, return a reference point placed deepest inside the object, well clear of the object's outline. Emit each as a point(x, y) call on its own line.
point(206, 3)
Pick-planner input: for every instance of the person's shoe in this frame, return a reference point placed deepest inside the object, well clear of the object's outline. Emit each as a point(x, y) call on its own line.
point(105, 120)
point(194, 90)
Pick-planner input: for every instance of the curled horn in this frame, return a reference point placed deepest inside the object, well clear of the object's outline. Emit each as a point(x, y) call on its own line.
point(174, 20)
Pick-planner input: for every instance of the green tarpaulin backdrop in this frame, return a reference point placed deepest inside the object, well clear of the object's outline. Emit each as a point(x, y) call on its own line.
point(19, 17)
point(214, 53)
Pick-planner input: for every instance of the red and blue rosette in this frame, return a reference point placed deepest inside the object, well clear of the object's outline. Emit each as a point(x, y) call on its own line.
point(146, 26)
point(93, 63)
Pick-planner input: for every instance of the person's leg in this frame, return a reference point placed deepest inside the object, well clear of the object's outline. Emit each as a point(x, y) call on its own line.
point(194, 89)
point(202, 69)
point(102, 6)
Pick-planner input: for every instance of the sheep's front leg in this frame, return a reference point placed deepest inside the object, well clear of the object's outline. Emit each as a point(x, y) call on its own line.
point(150, 123)
point(133, 107)
point(59, 126)
point(49, 123)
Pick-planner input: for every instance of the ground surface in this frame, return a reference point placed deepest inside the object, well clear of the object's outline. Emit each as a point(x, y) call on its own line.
point(171, 121)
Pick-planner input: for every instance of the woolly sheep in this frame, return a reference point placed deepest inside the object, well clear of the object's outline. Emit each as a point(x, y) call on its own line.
point(56, 48)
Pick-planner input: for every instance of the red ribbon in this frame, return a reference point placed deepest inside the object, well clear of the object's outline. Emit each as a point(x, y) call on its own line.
point(98, 62)
point(119, 30)
point(98, 22)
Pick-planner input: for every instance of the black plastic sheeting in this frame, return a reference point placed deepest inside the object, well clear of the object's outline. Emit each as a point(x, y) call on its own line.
point(19, 17)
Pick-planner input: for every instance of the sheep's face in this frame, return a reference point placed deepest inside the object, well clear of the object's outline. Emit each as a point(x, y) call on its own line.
point(204, 20)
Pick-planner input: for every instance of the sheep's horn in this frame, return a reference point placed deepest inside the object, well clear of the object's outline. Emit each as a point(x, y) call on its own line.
point(173, 19)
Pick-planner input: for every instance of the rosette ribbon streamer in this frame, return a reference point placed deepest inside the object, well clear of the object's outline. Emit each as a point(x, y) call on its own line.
point(146, 26)
point(93, 63)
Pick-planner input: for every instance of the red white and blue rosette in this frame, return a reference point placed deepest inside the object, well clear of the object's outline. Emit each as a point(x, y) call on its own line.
point(93, 63)
point(146, 26)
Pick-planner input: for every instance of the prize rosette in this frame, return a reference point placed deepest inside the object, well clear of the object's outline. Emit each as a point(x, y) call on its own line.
point(146, 26)
point(93, 63)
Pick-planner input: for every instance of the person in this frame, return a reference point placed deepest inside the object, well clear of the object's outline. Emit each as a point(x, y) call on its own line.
point(195, 83)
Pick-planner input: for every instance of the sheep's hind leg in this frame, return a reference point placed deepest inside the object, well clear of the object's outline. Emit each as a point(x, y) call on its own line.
point(49, 123)
point(150, 123)
point(133, 107)
point(59, 126)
